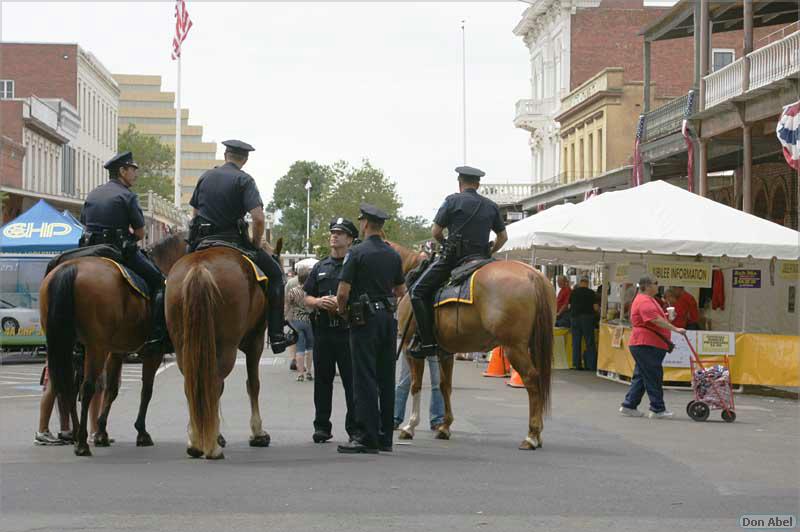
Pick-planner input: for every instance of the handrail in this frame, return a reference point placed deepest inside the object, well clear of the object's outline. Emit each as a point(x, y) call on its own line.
point(775, 61)
point(724, 84)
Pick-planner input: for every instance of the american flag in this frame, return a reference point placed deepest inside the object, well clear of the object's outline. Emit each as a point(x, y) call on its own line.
point(182, 25)
point(687, 137)
point(638, 165)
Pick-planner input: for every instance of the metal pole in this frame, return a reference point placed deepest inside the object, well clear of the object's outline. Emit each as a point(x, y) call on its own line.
point(178, 139)
point(704, 43)
point(464, 82)
point(308, 215)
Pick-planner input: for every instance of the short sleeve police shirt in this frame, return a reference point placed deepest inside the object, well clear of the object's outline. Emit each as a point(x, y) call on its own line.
point(324, 278)
point(225, 194)
point(112, 206)
point(456, 213)
point(373, 268)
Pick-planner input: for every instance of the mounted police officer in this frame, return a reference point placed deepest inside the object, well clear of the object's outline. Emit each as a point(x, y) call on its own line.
point(371, 283)
point(111, 215)
point(221, 199)
point(468, 218)
point(331, 332)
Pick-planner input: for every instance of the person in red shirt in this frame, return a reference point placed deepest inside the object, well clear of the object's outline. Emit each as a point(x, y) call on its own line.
point(648, 345)
point(562, 301)
point(686, 306)
point(680, 312)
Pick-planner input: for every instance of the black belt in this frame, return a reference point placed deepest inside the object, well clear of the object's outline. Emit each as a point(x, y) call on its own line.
point(380, 305)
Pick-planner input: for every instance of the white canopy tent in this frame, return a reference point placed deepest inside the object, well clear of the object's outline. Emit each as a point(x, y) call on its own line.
point(657, 222)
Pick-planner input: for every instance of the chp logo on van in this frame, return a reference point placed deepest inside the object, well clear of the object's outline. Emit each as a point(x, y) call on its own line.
point(44, 230)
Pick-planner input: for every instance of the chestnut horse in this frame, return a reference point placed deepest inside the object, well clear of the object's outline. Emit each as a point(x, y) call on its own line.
point(514, 306)
point(215, 306)
point(87, 300)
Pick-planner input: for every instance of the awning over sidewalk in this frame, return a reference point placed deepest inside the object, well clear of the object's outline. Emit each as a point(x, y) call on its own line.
point(40, 229)
point(655, 218)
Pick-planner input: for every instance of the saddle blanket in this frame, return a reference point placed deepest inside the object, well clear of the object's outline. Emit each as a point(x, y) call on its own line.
point(134, 280)
point(247, 255)
point(110, 254)
point(459, 288)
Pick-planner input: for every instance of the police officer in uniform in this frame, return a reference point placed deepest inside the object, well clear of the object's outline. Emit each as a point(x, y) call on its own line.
point(111, 215)
point(370, 285)
point(468, 218)
point(221, 199)
point(331, 334)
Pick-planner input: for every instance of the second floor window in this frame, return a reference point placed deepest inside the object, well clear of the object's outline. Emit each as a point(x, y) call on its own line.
point(722, 58)
point(6, 89)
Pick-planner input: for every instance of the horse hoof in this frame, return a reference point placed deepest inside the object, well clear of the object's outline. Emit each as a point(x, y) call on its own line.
point(442, 435)
point(526, 445)
point(144, 440)
point(260, 441)
point(82, 450)
point(220, 456)
point(101, 440)
point(403, 435)
point(222, 441)
point(194, 452)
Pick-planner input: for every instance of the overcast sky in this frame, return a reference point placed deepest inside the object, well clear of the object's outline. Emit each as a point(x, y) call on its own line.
point(324, 81)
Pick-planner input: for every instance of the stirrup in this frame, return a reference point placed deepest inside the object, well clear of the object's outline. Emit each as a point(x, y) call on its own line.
point(419, 350)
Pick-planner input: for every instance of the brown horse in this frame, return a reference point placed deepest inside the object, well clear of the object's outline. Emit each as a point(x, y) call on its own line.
point(514, 306)
point(87, 300)
point(214, 307)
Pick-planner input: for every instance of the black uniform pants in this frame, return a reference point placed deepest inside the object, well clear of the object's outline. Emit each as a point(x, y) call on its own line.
point(275, 290)
point(431, 279)
point(142, 265)
point(332, 349)
point(372, 346)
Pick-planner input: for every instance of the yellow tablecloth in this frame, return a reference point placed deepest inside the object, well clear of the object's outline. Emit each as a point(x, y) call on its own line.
point(761, 359)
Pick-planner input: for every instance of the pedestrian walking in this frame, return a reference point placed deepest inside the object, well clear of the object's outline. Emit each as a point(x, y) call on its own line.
point(649, 343)
point(370, 285)
point(436, 409)
point(332, 335)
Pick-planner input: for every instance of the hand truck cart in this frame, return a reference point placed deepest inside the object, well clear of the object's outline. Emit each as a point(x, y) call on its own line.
point(711, 385)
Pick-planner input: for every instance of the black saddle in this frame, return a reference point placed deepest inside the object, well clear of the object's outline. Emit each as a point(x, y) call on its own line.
point(249, 254)
point(459, 287)
point(100, 250)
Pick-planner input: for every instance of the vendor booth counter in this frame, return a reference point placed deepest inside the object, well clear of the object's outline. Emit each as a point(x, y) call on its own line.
point(760, 359)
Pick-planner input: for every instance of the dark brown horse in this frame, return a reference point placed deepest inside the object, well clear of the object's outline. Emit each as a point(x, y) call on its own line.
point(87, 300)
point(214, 307)
point(514, 306)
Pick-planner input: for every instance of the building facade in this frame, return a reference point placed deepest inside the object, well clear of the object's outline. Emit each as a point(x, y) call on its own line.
point(152, 111)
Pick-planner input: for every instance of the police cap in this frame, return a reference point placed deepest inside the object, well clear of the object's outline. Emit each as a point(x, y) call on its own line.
point(119, 160)
point(238, 147)
point(372, 213)
point(343, 224)
point(473, 173)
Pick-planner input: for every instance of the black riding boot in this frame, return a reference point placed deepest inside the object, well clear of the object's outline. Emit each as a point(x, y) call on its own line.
point(276, 322)
point(423, 314)
point(159, 336)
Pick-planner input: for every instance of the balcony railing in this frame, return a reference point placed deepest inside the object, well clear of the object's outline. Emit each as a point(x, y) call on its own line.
point(154, 204)
point(666, 119)
point(774, 62)
point(532, 114)
point(512, 193)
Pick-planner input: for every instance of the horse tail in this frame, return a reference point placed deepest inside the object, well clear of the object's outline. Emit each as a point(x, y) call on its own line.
point(200, 296)
point(541, 339)
point(61, 332)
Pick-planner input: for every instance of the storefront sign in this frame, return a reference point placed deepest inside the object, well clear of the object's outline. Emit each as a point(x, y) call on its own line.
point(716, 343)
point(694, 274)
point(789, 269)
point(747, 278)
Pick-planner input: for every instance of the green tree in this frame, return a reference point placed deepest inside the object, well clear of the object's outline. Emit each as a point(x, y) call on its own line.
point(289, 197)
point(156, 162)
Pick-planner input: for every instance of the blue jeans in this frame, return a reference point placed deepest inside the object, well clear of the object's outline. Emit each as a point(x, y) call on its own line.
point(404, 386)
point(583, 327)
point(647, 375)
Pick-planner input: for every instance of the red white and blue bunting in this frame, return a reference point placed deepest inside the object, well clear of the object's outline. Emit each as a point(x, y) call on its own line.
point(788, 132)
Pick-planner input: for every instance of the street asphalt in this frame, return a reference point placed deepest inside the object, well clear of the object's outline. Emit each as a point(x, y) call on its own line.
point(596, 471)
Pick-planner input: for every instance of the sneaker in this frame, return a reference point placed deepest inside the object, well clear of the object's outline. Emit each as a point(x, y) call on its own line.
point(46, 438)
point(629, 412)
point(309, 377)
point(301, 378)
point(66, 437)
point(666, 414)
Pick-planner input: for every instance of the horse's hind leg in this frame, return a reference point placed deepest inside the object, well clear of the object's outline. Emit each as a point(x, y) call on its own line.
point(520, 359)
point(150, 364)
point(93, 366)
point(113, 373)
point(416, 368)
point(446, 387)
point(258, 436)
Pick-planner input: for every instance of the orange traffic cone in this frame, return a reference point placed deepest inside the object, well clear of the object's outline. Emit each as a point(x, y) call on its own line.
point(498, 367)
point(515, 381)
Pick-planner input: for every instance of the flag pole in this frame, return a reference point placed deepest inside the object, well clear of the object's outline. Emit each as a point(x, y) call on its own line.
point(464, 82)
point(178, 138)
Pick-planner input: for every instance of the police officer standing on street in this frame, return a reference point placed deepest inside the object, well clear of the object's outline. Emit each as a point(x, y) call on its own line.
point(221, 199)
point(468, 218)
point(111, 215)
point(370, 285)
point(331, 333)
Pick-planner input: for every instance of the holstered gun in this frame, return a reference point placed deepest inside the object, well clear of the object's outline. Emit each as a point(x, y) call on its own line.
point(360, 310)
